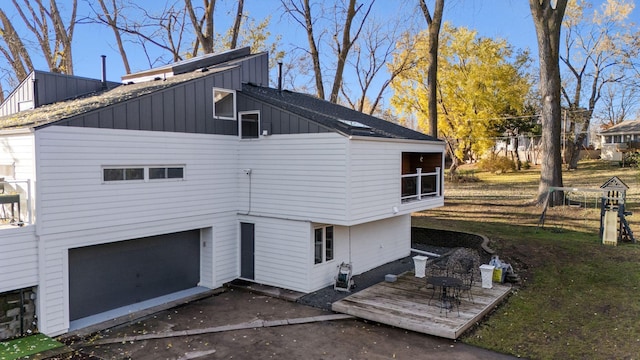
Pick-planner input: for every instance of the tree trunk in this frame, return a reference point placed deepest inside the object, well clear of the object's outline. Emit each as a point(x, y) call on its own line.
point(313, 49)
point(432, 56)
point(204, 35)
point(236, 25)
point(16, 54)
point(574, 154)
point(64, 37)
point(112, 20)
point(548, 20)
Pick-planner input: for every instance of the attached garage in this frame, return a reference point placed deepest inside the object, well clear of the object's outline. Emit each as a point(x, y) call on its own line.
point(108, 276)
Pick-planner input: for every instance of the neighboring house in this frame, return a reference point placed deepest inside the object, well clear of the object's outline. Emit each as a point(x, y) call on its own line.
point(619, 139)
point(193, 175)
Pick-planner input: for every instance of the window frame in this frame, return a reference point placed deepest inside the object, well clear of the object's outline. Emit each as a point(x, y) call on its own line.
point(251, 112)
point(234, 116)
point(145, 173)
point(325, 245)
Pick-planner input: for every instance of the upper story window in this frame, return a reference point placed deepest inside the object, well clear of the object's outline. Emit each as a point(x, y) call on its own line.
point(224, 104)
point(249, 126)
point(323, 244)
point(142, 173)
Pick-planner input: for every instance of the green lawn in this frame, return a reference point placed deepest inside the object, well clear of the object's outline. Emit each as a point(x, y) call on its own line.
point(29, 345)
point(579, 299)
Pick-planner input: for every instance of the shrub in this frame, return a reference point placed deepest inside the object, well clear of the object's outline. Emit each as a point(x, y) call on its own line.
point(497, 164)
point(464, 176)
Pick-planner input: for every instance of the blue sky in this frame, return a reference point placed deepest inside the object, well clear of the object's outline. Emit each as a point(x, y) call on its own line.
point(508, 19)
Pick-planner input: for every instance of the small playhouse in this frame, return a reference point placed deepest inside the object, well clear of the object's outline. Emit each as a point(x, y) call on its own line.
point(614, 227)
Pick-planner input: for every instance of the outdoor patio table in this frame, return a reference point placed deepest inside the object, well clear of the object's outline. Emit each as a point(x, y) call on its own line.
point(445, 283)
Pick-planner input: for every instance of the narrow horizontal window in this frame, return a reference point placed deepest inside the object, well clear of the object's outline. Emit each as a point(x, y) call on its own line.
point(122, 174)
point(166, 173)
point(144, 173)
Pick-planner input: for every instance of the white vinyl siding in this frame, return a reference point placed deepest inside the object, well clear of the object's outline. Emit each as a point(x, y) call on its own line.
point(300, 177)
point(282, 252)
point(78, 209)
point(375, 169)
point(380, 242)
point(365, 246)
point(71, 183)
point(18, 258)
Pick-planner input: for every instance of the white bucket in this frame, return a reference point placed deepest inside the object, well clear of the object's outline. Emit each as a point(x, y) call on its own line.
point(487, 275)
point(420, 263)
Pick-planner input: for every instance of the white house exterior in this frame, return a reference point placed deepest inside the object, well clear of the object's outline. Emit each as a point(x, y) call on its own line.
point(142, 190)
point(619, 139)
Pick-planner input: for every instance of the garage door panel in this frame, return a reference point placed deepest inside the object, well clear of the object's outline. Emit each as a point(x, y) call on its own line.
point(108, 276)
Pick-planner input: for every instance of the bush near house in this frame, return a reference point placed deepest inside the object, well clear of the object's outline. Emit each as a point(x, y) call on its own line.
point(496, 164)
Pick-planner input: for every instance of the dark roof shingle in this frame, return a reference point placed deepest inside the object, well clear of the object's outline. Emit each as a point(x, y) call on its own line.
point(332, 116)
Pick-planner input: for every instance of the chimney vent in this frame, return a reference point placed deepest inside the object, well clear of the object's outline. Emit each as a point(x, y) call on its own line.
point(280, 76)
point(104, 71)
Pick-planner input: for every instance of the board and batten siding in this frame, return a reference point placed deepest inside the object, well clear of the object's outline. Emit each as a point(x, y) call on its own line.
point(51, 88)
point(277, 121)
point(375, 177)
point(298, 177)
point(78, 209)
point(184, 107)
point(18, 258)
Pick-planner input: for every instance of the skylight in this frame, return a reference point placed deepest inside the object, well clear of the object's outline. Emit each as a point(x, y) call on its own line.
point(354, 124)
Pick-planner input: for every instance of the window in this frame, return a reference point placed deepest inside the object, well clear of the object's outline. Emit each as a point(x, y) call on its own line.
point(122, 174)
point(142, 173)
point(249, 125)
point(224, 104)
point(323, 244)
point(166, 173)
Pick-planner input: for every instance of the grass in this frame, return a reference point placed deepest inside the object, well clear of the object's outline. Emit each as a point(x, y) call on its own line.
point(579, 299)
point(29, 345)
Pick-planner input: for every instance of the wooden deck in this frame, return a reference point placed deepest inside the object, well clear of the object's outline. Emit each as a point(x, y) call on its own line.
point(405, 304)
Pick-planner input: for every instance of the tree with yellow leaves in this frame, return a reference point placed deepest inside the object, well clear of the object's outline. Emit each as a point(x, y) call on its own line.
point(481, 82)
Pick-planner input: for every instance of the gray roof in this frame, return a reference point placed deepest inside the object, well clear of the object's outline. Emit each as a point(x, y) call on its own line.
point(625, 127)
point(332, 116)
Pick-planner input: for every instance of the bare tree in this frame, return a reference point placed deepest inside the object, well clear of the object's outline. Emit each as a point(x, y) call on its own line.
point(300, 11)
point(345, 34)
point(111, 18)
point(433, 24)
point(15, 51)
point(343, 46)
point(618, 100)
point(236, 24)
point(164, 29)
point(42, 23)
point(370, 58)
point(203, 26)
point(596, 46)
point(547, 17)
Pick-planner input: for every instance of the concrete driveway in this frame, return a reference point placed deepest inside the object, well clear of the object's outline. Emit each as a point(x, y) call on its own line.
point(240, 324)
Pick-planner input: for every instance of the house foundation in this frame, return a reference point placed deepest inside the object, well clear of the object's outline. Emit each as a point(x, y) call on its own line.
point(17, 313)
